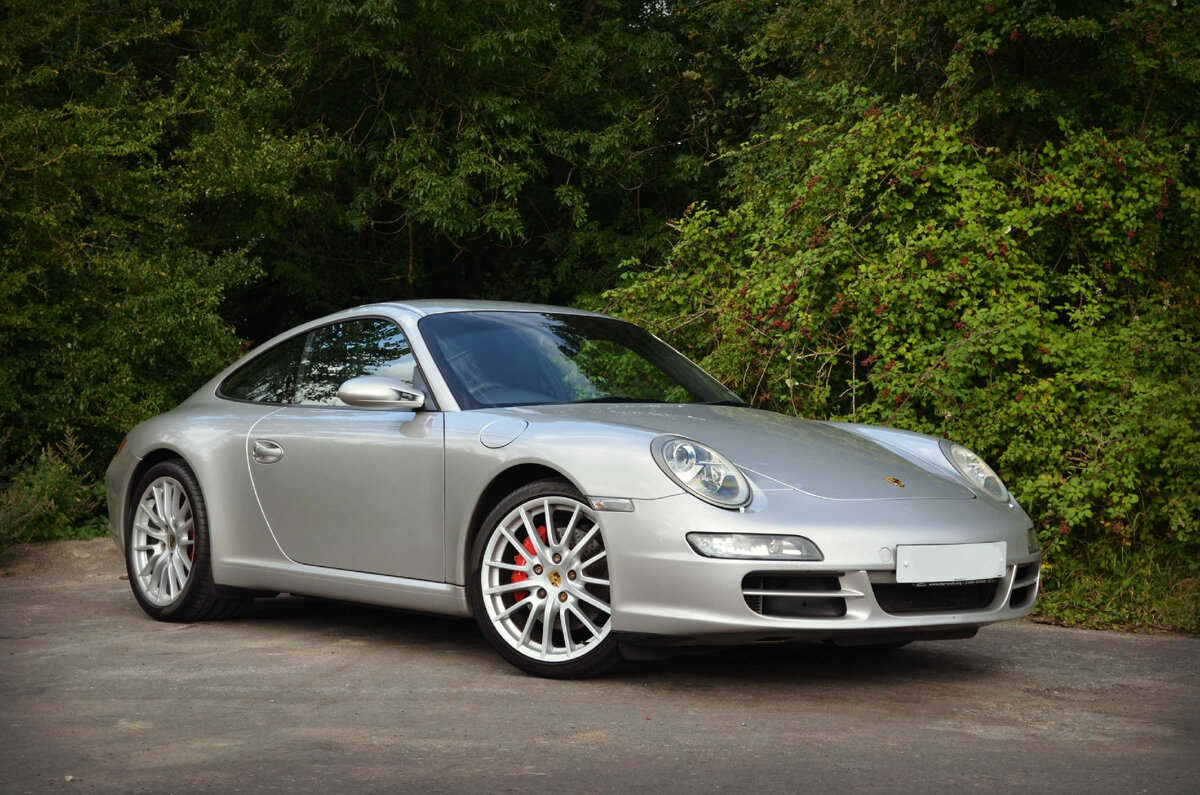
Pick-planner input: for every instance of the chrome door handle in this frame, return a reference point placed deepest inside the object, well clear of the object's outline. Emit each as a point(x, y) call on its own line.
point(266, 451)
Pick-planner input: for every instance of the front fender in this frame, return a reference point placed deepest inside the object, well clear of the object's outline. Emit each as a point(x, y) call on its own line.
point(599, 459)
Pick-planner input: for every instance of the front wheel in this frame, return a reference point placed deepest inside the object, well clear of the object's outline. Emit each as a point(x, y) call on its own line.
point(539, 584)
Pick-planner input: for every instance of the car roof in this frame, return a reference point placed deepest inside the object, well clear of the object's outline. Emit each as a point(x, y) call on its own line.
point(438, 306)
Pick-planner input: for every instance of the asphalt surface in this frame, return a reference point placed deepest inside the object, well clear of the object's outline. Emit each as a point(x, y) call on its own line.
point(302, 695)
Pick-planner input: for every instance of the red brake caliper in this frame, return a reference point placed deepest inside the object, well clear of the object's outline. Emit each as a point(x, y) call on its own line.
point(519, 560)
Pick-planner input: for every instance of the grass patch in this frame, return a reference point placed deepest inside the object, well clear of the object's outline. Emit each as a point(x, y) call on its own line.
point(1142, 590)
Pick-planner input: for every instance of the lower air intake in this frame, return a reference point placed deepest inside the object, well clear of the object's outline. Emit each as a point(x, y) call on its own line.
point(785, 595)
point(918, 598)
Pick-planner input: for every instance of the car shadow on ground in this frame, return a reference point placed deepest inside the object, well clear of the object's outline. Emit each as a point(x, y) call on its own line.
point(767, 664)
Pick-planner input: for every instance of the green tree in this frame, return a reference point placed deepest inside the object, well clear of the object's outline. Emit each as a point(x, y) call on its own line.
point(176, 175)
point(515, 149)
point(109, 308)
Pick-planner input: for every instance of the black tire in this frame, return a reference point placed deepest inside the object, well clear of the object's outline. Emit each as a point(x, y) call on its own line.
point(172, 596)
point(568, 591)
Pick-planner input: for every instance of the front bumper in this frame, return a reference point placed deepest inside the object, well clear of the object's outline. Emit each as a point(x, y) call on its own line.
point(116, 486)
point(665, 593)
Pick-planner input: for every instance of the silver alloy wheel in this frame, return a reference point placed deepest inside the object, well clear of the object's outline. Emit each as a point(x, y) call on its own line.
point(163, 541)
point(544, 579)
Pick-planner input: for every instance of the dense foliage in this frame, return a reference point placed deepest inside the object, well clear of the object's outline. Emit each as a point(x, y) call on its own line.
point(176, 175)
point(109, 295)
point(984, 239)
point(978, 219)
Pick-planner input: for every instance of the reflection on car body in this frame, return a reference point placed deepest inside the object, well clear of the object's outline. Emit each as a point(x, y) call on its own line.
point(577, 486)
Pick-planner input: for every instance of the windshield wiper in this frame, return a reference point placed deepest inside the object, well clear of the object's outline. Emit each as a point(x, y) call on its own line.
point(736, 403)
point(616, 399)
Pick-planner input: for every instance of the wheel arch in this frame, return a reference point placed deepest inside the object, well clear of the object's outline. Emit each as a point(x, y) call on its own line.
point(144, 465)
point(502, 485)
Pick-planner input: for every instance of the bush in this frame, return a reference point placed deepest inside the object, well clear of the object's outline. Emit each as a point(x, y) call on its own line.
point(51, 497)
point(887, 267)
point(978, 220)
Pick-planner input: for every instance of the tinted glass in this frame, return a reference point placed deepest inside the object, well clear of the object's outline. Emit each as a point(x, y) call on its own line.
point(269, 377)
point(522, 358)
point(335, 354)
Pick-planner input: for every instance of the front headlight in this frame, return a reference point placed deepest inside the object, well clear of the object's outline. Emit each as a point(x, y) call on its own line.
point(706, 473)
point(975, 470)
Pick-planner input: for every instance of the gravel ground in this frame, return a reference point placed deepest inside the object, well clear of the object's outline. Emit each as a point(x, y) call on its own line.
point(302, 695)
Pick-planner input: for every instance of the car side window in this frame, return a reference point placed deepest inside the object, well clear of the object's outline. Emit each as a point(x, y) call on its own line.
point(269, 377)
point(336, 353)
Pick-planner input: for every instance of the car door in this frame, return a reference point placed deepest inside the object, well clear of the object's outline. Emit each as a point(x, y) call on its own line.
point(352, 488)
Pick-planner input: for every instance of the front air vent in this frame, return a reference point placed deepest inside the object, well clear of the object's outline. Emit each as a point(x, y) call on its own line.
point(899, 598)
point(787, 595)
point(1025, 585)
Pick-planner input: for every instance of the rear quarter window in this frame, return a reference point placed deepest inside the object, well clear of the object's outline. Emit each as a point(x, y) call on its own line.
point(269, 377)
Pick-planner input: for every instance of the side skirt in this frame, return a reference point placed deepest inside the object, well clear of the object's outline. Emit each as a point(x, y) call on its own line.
point(348, 586)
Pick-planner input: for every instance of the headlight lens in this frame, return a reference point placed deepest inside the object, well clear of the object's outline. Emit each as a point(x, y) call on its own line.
point(975, 470)
point(753, 547)
point(706, 473)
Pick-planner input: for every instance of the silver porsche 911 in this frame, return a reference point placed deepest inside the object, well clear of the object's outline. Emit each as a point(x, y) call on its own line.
point(580, 488)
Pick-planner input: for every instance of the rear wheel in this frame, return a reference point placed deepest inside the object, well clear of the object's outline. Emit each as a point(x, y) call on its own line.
point(167, 551)
point(539, 584)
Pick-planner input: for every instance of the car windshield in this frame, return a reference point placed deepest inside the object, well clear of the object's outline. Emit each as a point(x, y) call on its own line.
point(492, 359)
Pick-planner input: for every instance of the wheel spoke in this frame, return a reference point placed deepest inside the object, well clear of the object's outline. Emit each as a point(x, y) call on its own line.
point(577, 549)
point(592, 560)
point(168, 501)
point(593, 580)
point(172, 581)
point(159, 513)
point(158, 573)
point(548, 520)
point(571, 524)
point(157, 535)
point(178, 504)
point(584, 596)
point(514, 608)
point(565, 620)
point(583, 619)
point(512, 539)
point(528, 633)
point(500, 564)
point(547, 627)
point(506, 588)
point(145, 507)
point(557, 539)
point(539, 548)
point(561, 619)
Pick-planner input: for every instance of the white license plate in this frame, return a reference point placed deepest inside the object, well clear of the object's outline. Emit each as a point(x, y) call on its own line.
point(950, 562)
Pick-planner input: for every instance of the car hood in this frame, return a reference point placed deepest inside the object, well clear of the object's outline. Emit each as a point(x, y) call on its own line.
point(775, 450)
